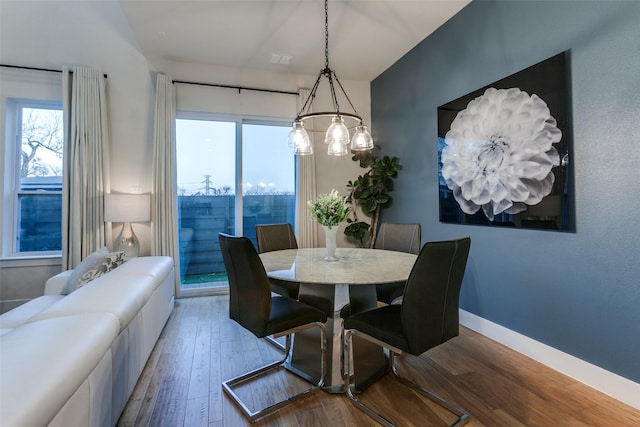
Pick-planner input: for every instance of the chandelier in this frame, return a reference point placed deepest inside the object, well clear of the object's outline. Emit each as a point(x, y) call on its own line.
point(337, 134)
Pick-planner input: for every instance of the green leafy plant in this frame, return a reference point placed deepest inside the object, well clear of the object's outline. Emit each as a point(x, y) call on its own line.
point(329, 209)
point(370, 192)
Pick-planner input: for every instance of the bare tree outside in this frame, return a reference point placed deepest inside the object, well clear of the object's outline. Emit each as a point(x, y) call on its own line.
point(39, 187)
point(42, 143)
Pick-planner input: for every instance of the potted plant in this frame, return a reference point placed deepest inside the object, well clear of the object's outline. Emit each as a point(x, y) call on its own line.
point(370, 192)
point(329, 210)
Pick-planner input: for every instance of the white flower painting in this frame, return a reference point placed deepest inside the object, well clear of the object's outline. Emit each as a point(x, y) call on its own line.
point(499, 152)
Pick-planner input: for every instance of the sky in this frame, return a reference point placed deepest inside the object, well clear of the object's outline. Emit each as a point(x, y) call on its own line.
point(207, 147)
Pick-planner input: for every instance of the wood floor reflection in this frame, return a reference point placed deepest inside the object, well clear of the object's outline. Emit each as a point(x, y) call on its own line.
point(200, 347)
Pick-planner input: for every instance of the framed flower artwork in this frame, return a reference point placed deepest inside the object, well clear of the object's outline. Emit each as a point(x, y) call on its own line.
point(504, 152)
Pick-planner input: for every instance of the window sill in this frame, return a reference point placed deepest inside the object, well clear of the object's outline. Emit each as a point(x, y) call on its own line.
point(30, 260)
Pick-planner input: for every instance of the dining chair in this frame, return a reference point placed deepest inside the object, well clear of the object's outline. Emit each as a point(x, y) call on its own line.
point(427, 317)
point(276, 237)
point(252, 305)
point(399, 237)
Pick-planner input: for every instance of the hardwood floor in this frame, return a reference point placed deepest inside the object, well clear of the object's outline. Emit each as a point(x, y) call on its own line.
point(200, 347)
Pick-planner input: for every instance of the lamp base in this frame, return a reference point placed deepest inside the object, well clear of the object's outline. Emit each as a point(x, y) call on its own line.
point(127, 242)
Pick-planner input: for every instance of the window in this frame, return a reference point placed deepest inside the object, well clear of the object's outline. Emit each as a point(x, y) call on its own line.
point(33, 177)
point(233, 173)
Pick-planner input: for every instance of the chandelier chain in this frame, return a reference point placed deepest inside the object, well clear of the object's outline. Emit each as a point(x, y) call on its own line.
point(338, 132)
point(326, 34)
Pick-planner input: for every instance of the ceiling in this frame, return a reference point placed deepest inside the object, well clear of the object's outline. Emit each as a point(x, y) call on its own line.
point(365, 36)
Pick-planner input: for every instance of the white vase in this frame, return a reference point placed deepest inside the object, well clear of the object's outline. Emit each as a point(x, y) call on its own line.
point(330, 239)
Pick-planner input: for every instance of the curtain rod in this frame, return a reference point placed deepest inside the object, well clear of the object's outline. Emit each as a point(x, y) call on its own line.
point(239, 88)
point(50, 70)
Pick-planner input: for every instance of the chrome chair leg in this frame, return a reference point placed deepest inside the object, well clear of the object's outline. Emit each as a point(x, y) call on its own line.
point(277, 344)
point(463, 417)
point(253, 416)
point(350, 385)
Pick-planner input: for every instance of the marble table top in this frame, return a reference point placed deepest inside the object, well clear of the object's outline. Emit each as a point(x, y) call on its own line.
point(355, 266)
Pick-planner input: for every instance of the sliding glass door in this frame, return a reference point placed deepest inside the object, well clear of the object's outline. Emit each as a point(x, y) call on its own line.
point(233, 173)
point(268, 170)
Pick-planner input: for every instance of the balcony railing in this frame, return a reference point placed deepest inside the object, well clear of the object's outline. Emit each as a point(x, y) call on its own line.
point(203, 217)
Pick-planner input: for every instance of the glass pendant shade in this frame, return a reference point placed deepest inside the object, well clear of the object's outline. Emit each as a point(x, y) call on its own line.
point(337, 132)
point(361, 140)
point(304, 147)
point(299, 139)
point(337, 135)
point(337, 148)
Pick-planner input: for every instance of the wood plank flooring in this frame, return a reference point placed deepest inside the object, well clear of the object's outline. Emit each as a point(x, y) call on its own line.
point(200, 347)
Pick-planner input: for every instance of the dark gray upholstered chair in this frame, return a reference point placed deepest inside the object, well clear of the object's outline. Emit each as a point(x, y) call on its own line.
point(252, 305)
point(401, 238)
point(427, 317)
point(276, 237)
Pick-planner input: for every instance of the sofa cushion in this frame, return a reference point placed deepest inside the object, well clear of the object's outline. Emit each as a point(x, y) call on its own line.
point(158, 267)
point(55, 284)
point(95, 265)
point(44, 363)
point(116, 293)
point(23, 313)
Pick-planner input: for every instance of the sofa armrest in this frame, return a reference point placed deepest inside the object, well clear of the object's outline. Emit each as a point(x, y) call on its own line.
point(54, 285)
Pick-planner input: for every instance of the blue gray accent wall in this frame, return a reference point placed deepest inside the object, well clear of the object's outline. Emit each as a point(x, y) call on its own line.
point(577, 292)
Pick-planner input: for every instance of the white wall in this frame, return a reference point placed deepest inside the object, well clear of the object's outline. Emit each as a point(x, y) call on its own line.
point(51, 34)
point(331, 172)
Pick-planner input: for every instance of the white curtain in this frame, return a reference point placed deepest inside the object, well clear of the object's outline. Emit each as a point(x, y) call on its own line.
point(85, 164)
point(307, 232)
point(164, 200)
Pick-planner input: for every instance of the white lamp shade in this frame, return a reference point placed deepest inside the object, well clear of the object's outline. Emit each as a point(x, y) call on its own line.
point(127, 207)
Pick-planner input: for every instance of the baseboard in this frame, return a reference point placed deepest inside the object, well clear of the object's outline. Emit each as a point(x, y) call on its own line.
point(600, 379)
point(203, 292)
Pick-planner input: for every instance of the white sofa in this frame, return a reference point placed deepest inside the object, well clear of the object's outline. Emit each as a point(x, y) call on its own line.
point(73, 360)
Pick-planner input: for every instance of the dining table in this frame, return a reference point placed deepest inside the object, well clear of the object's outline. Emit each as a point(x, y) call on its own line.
point(330, 286)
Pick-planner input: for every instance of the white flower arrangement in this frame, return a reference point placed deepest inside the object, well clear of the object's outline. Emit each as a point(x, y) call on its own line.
point(499, 152)
point(329, 209)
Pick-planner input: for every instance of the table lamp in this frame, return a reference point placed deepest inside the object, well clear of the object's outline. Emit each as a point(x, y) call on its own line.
point(127, 208)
